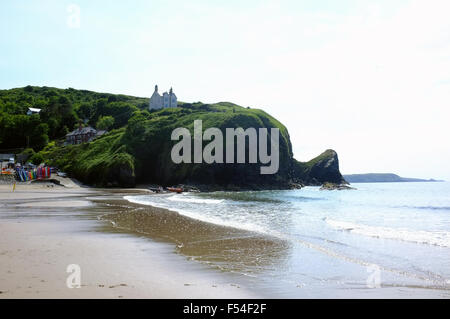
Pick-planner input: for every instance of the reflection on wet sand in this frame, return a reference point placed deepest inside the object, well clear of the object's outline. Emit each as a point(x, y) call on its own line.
point(222, 247)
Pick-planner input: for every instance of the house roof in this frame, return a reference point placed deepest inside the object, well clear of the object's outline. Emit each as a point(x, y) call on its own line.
point(6, 157)
point(84, 130)
point(32, 109)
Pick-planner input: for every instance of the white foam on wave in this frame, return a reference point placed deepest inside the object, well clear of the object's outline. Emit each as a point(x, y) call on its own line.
point(176, 198)
point(441, 238)
point(140, 200)
point(204, 217)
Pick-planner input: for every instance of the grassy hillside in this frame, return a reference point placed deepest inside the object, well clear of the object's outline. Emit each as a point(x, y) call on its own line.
point(138, 147)
point(104, 162)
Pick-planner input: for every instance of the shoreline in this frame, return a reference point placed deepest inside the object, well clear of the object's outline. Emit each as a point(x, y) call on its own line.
point(44, 229)
point(131, 250)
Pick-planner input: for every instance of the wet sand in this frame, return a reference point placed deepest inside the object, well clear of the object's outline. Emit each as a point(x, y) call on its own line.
point(45, 228)
point(227, 249)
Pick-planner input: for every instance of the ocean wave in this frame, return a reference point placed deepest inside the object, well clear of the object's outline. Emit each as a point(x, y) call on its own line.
point(238, 224)
point(428, 207)
point(185, 199)
point(302, 198)
point(242, 197)
point(441, 238)
point(142, 201)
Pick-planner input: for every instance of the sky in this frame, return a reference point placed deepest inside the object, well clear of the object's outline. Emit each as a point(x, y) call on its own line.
point(369, 79)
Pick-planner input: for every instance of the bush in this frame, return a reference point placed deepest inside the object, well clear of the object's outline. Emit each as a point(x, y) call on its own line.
point(37, 159)
point(105, 122)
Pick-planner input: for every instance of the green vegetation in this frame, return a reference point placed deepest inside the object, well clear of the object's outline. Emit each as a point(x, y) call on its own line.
point(61, 110)
point(322, 157)
point(148, 139)
point(138, 148)
point(140, 152)
point(20, 131)
point(104, 162)
point(105, 122)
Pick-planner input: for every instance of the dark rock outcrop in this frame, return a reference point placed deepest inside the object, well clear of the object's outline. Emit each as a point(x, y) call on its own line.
point(332, 186)
point(121, 175)
point(322, 169)
point(326, 169)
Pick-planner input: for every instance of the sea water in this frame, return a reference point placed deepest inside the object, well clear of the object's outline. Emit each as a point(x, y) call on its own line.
point(393, 238)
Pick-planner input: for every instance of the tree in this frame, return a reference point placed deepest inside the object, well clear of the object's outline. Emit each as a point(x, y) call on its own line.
point(121, 111)
point(39, 137)
point(84, 111)
point(105, 122)
point(37, 159)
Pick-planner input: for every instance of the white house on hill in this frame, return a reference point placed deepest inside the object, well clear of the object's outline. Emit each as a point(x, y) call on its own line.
point(32, 110)
point(166, 100)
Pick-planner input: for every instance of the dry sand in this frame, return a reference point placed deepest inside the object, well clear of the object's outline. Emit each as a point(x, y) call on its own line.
point(35, 250)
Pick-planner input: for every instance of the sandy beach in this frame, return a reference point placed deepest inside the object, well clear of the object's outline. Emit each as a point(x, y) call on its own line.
point(44, 228)
point(128, 249)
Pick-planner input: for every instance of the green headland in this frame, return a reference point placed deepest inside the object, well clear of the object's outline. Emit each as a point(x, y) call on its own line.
point(137, 146)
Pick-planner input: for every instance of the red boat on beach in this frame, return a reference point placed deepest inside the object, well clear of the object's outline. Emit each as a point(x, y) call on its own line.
point(175, 189)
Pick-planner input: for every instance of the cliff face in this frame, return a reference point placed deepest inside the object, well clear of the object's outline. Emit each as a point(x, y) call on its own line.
point(149, 141)
point(322, 169)
point(326, 169)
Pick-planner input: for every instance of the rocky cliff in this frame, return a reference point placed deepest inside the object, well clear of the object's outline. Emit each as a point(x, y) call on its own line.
point(140, 153)
point(322, 169)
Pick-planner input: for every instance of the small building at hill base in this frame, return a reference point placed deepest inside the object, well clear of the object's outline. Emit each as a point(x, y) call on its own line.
point(6, 157)
point(83, 135)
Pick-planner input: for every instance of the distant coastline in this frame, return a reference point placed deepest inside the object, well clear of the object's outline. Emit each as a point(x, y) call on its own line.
point(383, 178)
